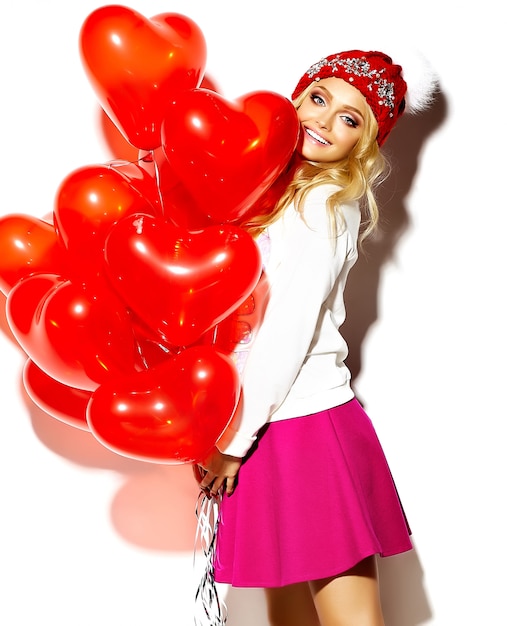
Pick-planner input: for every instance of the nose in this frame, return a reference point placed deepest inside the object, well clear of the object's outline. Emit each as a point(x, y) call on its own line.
point(324, 121)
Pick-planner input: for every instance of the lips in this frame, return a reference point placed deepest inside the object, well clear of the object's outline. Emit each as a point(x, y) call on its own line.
point(316, 137)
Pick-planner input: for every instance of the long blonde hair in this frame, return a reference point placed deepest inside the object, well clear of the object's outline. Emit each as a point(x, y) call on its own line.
point(357, 177)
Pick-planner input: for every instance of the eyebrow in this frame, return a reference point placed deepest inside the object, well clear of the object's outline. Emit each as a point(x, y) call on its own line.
point(347, 106)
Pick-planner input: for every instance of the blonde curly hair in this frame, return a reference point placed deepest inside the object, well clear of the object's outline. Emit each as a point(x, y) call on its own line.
point(357, 177)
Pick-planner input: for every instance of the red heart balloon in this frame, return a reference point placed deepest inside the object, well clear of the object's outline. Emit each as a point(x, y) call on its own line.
point(77, 338)
point(66, 404)
point(24, 301)
point(227, 153)
point(173, 413)
point(135, 65)
point(141, 176)
point(175, 203)
point(234, 335)
point(89, 201)
point(181, 283)
point(28, 245)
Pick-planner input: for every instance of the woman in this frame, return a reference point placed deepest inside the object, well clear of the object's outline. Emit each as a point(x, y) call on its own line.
point(309, 499)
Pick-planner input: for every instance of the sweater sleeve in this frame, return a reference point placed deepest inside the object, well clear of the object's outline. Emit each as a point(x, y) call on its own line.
point(309, 264)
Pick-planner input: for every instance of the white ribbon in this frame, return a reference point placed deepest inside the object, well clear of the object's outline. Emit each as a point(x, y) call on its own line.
point(210, 610)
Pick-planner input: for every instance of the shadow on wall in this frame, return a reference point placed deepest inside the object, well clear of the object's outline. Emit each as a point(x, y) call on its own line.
point(401, 584)
point(403, 595)
point(402, 149)
point(153, 509)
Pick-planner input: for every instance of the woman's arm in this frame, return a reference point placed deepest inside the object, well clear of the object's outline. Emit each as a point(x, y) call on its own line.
point(308, 269)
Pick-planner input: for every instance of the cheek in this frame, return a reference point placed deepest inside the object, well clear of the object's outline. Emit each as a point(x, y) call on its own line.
point(303, 112)
point(301, 140)
point(347, 139)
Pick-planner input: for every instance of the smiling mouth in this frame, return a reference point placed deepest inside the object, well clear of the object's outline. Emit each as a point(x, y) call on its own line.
point(318, 138)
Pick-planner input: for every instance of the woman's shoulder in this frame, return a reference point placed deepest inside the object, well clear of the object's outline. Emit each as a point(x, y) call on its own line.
point(323, 190)
point(315, 207)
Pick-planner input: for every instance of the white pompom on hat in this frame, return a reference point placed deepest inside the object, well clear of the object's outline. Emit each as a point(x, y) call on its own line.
point(421, 79)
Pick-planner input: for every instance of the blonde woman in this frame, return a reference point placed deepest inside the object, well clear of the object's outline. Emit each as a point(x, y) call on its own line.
point(309, 501)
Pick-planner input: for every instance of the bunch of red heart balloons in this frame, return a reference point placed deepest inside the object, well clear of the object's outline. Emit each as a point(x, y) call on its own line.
point(123, 300)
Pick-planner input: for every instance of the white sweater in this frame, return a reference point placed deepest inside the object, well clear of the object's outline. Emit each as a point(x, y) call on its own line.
point(295, 366)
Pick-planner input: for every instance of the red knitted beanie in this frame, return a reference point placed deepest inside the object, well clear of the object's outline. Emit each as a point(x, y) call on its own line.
point(374, 74)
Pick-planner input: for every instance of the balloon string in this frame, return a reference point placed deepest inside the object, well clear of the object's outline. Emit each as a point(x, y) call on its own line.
point(120, 163)
point(214, 336)
point(157, 179)
point(210, 610)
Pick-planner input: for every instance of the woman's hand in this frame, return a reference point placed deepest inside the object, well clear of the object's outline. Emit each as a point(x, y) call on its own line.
point(219, 469)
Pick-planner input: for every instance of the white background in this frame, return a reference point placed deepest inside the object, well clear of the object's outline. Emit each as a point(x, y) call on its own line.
point(87, 537)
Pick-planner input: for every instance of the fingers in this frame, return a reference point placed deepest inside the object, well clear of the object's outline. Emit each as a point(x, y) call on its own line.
point(198, 472)
point(218, 471)
point(211, 484)
point(230, 485)
point(207, 482)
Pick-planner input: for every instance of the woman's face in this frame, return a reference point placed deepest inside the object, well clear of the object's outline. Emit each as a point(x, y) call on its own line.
point(332, 118)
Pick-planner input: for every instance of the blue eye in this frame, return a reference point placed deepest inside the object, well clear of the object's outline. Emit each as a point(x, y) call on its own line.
point(350, 121)
point(319, 100)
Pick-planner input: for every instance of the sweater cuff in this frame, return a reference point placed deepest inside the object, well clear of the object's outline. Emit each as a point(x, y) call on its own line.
point(234, 443)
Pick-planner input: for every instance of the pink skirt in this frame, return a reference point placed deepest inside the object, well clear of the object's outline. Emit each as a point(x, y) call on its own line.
point(314, 497)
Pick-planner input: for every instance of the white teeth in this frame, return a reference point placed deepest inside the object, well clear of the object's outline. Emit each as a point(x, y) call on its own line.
point(317, 137)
